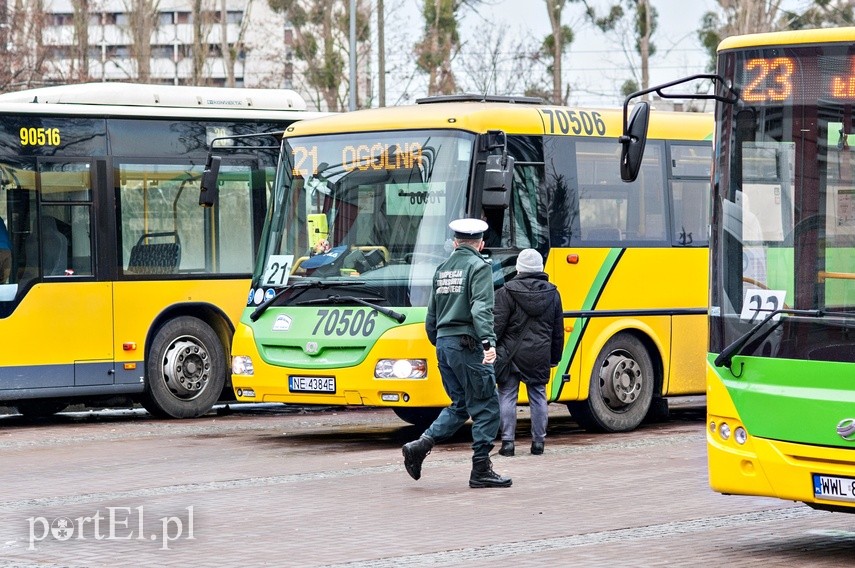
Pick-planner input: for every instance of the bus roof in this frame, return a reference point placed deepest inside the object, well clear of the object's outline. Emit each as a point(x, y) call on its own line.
point(798, 37)
point(479, 117)
point(174, 96)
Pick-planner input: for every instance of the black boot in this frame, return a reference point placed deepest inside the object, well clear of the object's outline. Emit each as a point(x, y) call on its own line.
point(483, 475)
point(536, 448)
point(507, 448)
point(415, 453)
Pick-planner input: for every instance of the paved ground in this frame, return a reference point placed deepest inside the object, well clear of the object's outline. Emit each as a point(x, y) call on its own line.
point(277, 486)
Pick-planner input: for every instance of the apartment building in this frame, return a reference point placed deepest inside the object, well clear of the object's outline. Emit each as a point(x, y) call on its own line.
point(186, 46)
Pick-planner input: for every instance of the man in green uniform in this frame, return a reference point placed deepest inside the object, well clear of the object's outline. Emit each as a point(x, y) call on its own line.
point(460, 324)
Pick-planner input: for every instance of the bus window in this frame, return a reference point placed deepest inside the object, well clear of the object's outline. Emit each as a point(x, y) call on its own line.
point(690, 187)
point(65, 219)
point(163, 230)
point(611, 211)
point(524, 223)
point(232, 250)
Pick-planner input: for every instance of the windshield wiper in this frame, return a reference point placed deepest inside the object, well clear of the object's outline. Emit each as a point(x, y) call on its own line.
point(728, 353)
point(302, 287)
point(368, 302)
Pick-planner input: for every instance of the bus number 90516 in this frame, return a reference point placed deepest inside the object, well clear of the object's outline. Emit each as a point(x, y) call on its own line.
point(39, 136)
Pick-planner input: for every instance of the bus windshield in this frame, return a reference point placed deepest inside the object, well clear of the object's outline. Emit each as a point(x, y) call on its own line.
point(369, 207)
point(785, 199)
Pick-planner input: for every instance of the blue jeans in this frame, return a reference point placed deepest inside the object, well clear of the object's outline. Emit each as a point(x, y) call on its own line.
point(508, 395)
point(471, 386)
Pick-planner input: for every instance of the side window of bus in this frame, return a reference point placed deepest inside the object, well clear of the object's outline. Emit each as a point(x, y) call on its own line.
point(164, 231)
point(612, 212)
point(60, 241)
point(524, 224)
point(17, 210)
point(690, 188)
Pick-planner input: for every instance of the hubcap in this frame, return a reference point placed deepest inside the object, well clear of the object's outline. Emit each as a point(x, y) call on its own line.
point(186, 368)
point(620, 380)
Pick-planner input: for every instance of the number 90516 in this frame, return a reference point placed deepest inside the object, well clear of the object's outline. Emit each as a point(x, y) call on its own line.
point(40, 136)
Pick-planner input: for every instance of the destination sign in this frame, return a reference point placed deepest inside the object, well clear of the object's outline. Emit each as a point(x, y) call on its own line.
point(382, 156)
point(800, 77)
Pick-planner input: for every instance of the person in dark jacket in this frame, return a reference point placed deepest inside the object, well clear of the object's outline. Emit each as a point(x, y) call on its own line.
point(459, 323)
point(529, 326)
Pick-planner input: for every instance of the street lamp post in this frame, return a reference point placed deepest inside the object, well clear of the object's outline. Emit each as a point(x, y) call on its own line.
point(352, 102)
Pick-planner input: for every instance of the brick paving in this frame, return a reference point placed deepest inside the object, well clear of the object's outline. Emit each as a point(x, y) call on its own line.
point(276, 486)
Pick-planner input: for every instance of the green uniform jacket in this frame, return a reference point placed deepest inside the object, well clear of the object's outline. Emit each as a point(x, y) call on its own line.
point(461, 302)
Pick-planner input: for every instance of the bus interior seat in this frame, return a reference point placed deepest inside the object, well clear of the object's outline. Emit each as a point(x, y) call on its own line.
point(155, 258)
point(54, 247)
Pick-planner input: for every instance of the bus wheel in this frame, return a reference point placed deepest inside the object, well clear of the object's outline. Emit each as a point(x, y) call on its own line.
point(185, 369)
point(421, 417)
point(40, 408)
point(621, 387)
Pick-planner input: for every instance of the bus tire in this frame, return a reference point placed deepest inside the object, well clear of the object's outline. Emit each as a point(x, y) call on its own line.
point(421, 417)
point(621, 389)
point(185, 369)
point(40, 408)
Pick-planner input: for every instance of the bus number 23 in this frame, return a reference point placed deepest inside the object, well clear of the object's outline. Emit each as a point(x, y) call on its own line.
point(346, 322)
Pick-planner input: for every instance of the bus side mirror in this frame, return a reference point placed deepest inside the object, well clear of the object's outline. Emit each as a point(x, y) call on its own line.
point(210, 191)
point(633, 140)
point(499, 171)
point(498, 178)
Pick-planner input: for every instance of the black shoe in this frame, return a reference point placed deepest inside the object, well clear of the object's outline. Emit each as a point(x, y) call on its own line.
point(536, 448)
point(483, 475)
point(507, 448)
point(415, 453)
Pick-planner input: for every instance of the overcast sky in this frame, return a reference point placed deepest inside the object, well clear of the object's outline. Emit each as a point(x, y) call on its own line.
point(595, 65)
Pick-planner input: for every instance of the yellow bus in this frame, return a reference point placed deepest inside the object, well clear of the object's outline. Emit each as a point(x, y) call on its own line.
point(116, 284)
point(359, 223)
point(780, 391)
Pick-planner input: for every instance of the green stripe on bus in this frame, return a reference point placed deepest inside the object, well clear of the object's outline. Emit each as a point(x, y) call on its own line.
point(594, 292)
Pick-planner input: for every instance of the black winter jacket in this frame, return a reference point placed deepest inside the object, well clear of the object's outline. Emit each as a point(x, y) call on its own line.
point(529, 295)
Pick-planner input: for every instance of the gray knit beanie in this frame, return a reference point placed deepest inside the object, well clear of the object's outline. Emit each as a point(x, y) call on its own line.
point(529, 260)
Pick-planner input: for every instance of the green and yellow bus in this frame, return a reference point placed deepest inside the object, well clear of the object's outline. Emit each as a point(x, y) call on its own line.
point(118, 285)
point(359, 223)
point(781, 361)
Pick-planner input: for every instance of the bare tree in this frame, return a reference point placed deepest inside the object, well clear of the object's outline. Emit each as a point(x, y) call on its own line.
point(555, 45)
point(737, 17)
point(142, 23)
point(201, 22)
point(231, 49)
point(439, 44)
point(80, 59)
point(321, 31)
point(23, 54)
point(499, 65)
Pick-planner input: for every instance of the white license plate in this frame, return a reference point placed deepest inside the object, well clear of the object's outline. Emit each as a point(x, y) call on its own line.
point(311, 384)
point(833, 488)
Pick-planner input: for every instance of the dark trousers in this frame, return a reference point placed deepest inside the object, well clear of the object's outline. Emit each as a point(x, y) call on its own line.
point(471, 386)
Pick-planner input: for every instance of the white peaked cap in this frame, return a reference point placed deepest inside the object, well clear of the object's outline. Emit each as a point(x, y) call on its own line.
point(468, 228)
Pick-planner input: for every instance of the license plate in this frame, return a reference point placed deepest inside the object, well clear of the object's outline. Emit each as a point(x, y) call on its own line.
point(833, 488)
point(311, 384)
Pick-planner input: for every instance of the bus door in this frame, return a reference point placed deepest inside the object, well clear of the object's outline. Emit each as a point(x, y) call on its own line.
point(66, 308)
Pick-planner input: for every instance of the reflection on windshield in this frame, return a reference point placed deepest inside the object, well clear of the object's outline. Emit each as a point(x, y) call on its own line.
point(786, 222)
point(369, 206)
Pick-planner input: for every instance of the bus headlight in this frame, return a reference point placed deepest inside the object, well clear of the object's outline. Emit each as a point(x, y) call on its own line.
point(724, 431)
point(400, 369)
point(740, 435)
point(242, 365)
